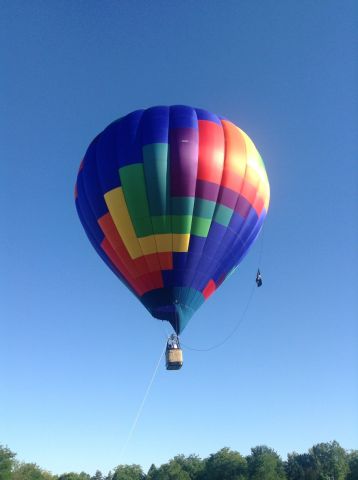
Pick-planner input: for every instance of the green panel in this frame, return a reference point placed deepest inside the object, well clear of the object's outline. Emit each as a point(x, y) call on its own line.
point(142, 226)
point(134, 189)
point(223, 215)
point(162, 224)
point(181, 223)
point(200, 226)
point(156, 171)
point(204, 208)
point(182, 205)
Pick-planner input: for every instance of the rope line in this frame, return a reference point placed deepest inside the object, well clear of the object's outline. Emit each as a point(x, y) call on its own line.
point(136, 418)
point(233, 331)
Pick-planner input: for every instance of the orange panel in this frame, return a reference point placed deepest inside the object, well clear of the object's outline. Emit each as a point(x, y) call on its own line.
point(235, 157)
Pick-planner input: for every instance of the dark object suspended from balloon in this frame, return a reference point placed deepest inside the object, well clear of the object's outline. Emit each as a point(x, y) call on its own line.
point(172, 198)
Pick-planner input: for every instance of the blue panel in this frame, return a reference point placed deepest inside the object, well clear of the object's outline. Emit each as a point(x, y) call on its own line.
point(155, 125)
point(196, 244)
point(179, 260)
point(92, 188)
point(205, 115)
point(87, 213)
point(183, 117)
point(236, 222)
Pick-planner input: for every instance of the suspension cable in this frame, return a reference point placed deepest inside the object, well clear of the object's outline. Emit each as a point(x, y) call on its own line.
point(136, 418)
point(233, 331)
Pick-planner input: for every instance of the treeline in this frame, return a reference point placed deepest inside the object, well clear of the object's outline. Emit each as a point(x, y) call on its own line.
point(324, 461)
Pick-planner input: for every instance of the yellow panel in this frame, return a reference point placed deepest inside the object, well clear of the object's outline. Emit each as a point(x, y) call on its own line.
point(164, 242)
point(118, 209)
point(252, 176)
point(253, 156)
point(148, 244)
point(181, 242)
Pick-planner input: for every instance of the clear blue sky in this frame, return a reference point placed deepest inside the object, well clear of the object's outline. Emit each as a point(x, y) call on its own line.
point(76, 348)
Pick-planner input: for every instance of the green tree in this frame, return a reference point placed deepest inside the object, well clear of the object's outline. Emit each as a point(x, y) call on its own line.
point(152, 472)
point(178, 468)
point(225, 464)
point(6, 463)
point(168, 471)
point(301, 467)
point(331, 461)
point(97, 476)
point(30, 471)
point(128, 472)
point(74, 476)
point(352, 458)
point(265, 464)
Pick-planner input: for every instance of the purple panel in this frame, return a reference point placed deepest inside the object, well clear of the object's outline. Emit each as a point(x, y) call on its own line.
point(227, 197)
point(183, 161)
point(243, 207)
point(207, 190)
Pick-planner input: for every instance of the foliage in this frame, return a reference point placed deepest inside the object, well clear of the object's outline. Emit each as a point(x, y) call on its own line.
point(30, 471)
point(128, 472)
point(225, 465)
point(178, 468)
point(74, 476)
point(324, 461)
point(352, 458)
point(98, 476)
point(301, 467)
point(265, 464)
point(6, 463)
point(331, 461)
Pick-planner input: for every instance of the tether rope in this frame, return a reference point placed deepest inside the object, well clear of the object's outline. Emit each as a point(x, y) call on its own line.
point(242, 316)
point(233, 331)
point(136, 418)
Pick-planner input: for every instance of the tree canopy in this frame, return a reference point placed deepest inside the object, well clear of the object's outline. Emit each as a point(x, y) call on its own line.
point(324, 461)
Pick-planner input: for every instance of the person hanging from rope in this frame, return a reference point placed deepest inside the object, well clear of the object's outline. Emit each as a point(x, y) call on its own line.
point(258, 278)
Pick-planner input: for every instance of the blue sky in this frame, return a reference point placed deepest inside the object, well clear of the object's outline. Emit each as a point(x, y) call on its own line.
point(76, 349)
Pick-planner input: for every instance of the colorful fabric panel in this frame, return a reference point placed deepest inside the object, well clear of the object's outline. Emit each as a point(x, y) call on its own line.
point(172, 198)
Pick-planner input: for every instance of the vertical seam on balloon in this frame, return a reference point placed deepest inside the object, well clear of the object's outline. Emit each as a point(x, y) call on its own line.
point(211, 222)
point(237, 234)
point(151, 281)
point(184, 293)
point(182, 296)
point(221, 187)
point(103, 193)
point(150, 215)
point(238, 197)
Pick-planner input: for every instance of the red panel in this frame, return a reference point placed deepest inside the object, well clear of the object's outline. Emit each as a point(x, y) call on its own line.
point(259, 205)
point(154, 279)
point(166, 260)
point(211, 151)
point(142, 273)
point(138, 285)
point(112, 235)
point(209, 289)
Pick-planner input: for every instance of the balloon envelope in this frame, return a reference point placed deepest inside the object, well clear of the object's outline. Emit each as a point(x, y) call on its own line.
point(172, 198)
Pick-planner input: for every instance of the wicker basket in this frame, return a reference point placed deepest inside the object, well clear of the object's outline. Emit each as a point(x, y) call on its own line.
point(174, 358)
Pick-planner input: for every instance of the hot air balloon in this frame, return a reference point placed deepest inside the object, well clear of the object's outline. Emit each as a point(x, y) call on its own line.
point(172, 198)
